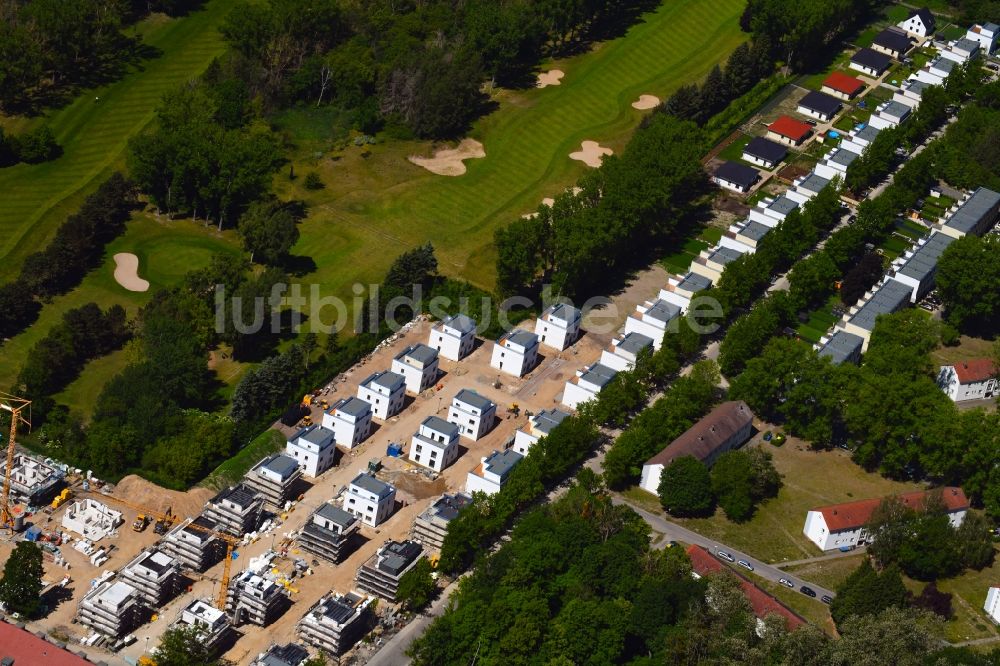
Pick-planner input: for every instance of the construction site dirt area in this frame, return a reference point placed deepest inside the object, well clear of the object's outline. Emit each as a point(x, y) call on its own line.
point(417, 487)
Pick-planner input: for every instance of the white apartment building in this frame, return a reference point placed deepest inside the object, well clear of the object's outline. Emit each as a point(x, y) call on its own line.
point(975, 379)
point(435, 444)
point(369, 500)
point(350, 420)
point(313, 448)
point(587, 384)
point(385, 391)
point(492, 472)
point(652, 320)
point(454, 337)
point(559, 326)
point(624, 351)
point(472, 413)
point(418, 364)
point(516, 352)
point(538, 426)
point(985, 34)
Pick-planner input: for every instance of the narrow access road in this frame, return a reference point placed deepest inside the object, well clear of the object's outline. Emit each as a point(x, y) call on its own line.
point(676, 532)
point(393, 653)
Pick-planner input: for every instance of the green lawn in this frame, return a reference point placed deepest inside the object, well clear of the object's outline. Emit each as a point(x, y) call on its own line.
point(679, 262)
point(231, 471)
point(828, 573)
point(37, 198)
point(819, 322)
point(951, 32)
point(910, 229)
point(967, 348)
point(166, 250)
point(970, 621)
point(811, 479)
point(377, 204)
point(734, 151)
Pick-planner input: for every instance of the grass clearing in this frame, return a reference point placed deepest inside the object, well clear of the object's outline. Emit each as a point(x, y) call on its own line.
point(967, 348)
point(232, 470)
point(812, 610)
point(93, 134)
point(734, 151)
point(811, 479)
point(970, 621)
point(828, 573)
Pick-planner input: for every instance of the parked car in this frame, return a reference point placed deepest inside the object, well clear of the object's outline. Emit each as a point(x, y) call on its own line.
point(808, 591)
point(746, 565)
point(826, 599)
point(726, 556)
point(787, 583)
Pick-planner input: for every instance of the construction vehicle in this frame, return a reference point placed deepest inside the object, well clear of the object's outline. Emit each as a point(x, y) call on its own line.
point(307, 400)
point(140, 523)
point(16, 407)
point(61, 498)
point(169, 519)
point(306, 421)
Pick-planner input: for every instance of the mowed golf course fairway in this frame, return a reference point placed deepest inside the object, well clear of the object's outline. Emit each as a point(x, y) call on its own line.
point(35, 199)
point(377, 206)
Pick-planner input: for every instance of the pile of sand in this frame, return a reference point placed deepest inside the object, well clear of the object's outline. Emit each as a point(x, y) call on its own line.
point(591, 153)
point(127, 272)
point(138, 490)
point(646, 102)
point(448, 161)
point(550, 78)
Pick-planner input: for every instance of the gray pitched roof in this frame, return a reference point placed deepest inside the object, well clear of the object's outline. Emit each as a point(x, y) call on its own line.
point(893, 39)
point(547, 420)
point(705, 437)
point(871, 59)
point(373, 485)
point(842, 346)
point(983, 203)
point(924, 260)
point(693, 282)
point(740, 174)
point(470, 397)
point(755, 230)
point(635, 343)
point(354, 406)
point(889, 298)
point(524, 338)
point(461, 323)
point(420, 353)
point(769, 151)
point(440, 425)
point(925, 17)
point(501, 463)
point(820, 103)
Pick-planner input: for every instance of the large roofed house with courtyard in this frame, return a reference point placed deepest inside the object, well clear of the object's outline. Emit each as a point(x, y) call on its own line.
point(819, 106)
point(920, 23)
point(843, 525)
point(723, 429)
point(789, 131)
point(764, 152)
point(893, 42)
point(736, 177)
point(974, 379)
point(870, 62)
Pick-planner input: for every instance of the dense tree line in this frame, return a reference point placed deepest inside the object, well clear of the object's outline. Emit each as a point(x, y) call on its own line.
point(33, 147)
point(633, 201)
point(967, 278)
point(207, 155)
point(868, 592)
point(418, 65)
point(738, 482)
point(76, 248)
point(54, 361)
point(889, 411)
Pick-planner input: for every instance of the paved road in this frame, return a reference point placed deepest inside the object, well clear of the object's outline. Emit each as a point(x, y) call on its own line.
point(676, 532)
point(393, 653)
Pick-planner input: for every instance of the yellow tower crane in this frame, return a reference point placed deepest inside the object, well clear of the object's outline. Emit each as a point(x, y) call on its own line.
point(16, 407)
point(170, 519)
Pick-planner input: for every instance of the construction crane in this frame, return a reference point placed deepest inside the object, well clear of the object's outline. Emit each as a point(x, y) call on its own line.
point(16, 407)
point(170, 519)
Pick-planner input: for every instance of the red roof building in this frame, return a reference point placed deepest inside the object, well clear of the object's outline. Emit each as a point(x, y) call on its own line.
point(788, 130)
point(842, 85)
point(842, 525)
point(26, 649)
point(763, 604)
point(975, 379)
point(975, 370)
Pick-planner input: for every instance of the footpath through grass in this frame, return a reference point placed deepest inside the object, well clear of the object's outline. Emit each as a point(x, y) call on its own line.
point(93, 134)
point(376, 204)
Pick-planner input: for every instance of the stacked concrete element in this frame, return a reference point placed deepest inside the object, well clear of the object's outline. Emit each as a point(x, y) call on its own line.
point(274, 478)
point(328, 533)
point(336, 622)
point(431, 526)
point(370, 500)
point(350, 420)
point(381, 573)
point(32, 481)
point(193, 548)
point(418, 364)
point(111, 608)
point(154, 575)
point(214, 627)
point(472, 413)
point(290, 654)
point(91, 519)
point(255, 599)
point(435, 444)
point(235, 510)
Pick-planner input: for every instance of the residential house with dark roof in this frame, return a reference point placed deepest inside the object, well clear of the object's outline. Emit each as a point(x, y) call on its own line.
point(337, 622)
point(350, 421)
point(763, 152)
point(841, 347)
point(723, 429)
point(918, 266)
point(454, 337)
point(920, 23)
point(380, 574)
point(843, 525)
point(559, 326)
point(539, 425)
point(623, 352)
point(736, 177)
point(431, 526)
point(490, 475)
point(329, 533)
point(652, 319)
point(961, 51)
point(819, 105)
point(870, 62)
point(370, 500)
point(435, 443)
point(975, 214)
point(893, 42)
point(890, 114)
point(275, 479)
point(236, 510)
point(313, 448)
point(888, 297)
point(588, 382)
point(974, 379)
point(986, 34)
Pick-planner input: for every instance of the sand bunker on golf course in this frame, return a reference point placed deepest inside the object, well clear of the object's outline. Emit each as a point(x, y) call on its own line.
point(448, 161)
point(645, 102)
point(591, 153)
point(127, 272)
point(550, 78)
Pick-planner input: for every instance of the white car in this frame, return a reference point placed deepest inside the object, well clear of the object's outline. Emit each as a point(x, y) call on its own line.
point(726, 556)
point(746, 565)
point(787, 583)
